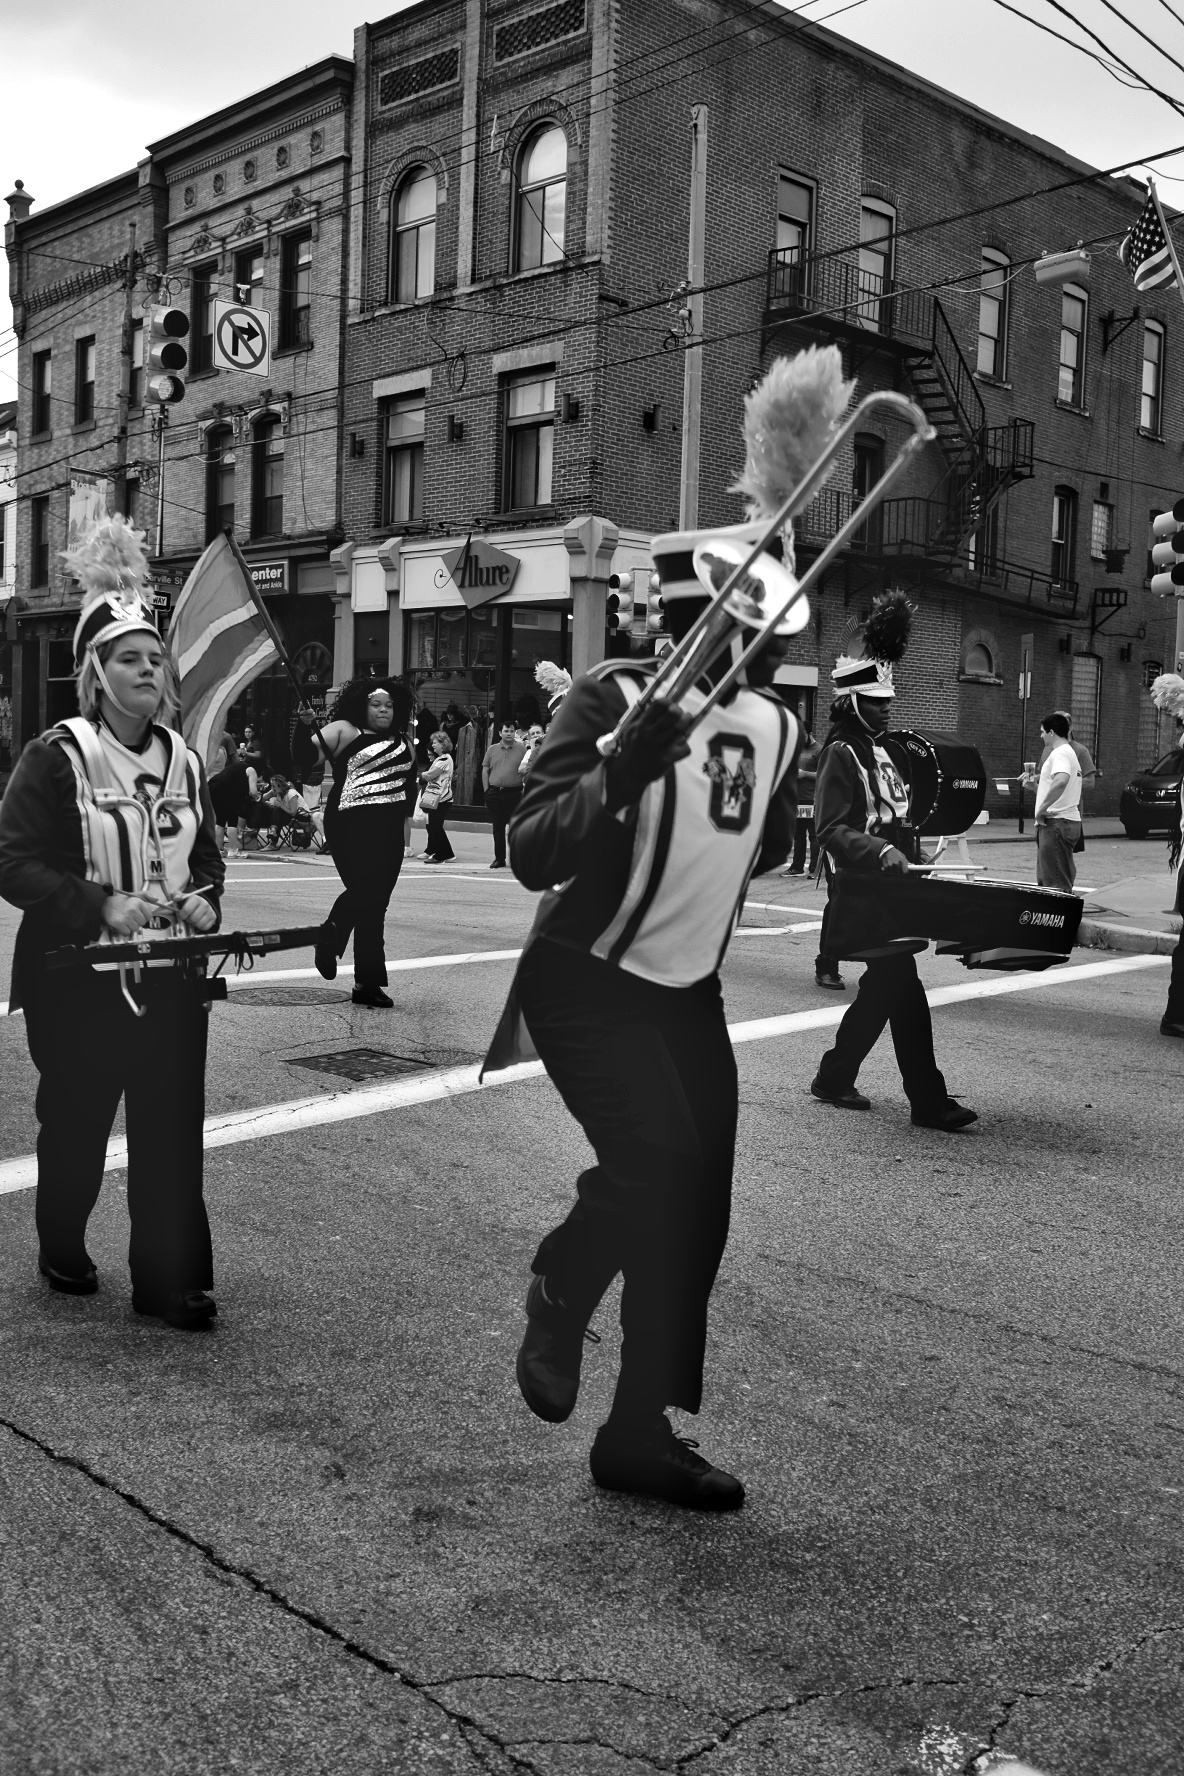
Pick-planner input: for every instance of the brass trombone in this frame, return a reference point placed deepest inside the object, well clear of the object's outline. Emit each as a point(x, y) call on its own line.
point(686, 662)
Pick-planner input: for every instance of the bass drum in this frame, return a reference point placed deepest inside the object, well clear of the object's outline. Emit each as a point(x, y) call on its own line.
point(946, 778)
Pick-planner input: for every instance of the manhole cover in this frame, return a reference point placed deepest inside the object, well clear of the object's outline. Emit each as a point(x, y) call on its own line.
point(288, 996)
point(359, 1063)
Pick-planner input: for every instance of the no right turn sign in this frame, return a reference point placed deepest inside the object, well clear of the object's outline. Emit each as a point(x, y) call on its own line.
point(242, 338)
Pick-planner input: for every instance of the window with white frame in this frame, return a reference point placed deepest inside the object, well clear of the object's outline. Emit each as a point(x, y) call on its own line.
point(413, 236)
point(403, 470)
point(542, 199)
point(992, 314)
point(1071, 372)
point(877, 226)
point(1151, 396)
point(1064, 535)
point(530, 438)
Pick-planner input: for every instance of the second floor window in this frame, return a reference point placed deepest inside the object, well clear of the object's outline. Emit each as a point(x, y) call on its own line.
point(296, 292)
point(530, 438)
point(876, 227)
point(1101, 529)
point(267, 519)
point(248, 278)
point(795, 208)
point(1064, 535)
point(992, 315)
point(42, 394)
point(136, 382)
point(1071, 376)
point(220, 465)
point(201, 317)
point(403, 478)
point(413, 237)
point(39, 558)
point(84, 380)
point(1151, 398)
point(542, 199)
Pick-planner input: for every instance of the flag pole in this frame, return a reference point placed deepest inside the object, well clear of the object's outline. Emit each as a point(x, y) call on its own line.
point(281, 650)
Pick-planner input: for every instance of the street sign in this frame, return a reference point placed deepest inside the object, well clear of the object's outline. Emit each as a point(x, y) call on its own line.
point(161, 601)
point(242, 338)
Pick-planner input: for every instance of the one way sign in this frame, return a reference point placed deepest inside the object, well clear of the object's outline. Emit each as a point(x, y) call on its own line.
point(242, 338)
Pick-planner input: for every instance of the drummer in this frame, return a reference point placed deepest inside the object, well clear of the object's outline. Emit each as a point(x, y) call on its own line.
point(861, 816)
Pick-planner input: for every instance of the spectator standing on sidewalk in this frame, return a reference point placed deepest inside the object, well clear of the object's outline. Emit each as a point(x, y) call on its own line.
point(804, 826)
point(502, 784)
point(1058, 807)
point(435, 798)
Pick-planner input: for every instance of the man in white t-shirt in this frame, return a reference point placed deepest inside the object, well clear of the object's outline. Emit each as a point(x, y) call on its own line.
point(1058, 807)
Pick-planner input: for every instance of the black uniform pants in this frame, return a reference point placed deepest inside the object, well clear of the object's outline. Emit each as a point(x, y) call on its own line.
point(439, 845)
point(889, 993)
point(501, 804)
point(649, 1074)
point(1174, 1009)
point(91, 1051)
point(366, 844)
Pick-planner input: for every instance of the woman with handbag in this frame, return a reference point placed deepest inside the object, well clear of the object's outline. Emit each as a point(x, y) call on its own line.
point(435, 797)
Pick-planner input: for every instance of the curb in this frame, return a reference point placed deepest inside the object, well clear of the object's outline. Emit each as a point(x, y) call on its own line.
point(1092, 934)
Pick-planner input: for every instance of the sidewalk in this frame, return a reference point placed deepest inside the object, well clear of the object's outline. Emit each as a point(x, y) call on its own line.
point(1132, 914)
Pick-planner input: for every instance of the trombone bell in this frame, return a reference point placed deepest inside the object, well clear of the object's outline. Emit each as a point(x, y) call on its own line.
point(762, 589)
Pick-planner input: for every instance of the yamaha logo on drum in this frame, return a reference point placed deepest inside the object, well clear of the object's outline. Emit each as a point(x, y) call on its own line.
point(965, 782)
point(1053, 921)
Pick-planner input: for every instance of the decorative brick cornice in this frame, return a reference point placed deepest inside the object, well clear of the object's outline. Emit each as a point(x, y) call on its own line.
point(233, 150)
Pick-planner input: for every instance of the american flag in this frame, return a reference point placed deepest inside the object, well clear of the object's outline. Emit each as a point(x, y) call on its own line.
point(1146, 252)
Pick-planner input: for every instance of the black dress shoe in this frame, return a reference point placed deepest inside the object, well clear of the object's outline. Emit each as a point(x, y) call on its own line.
point(1166, 1029)
point(372, 996)
point(190, 1312)
point(661, 1465)
point(325, 953)
point(830, 978)
point(951, 1117)
point(496, 864)
point(68, 1282)
point(548, 1366)
point(846, 1098)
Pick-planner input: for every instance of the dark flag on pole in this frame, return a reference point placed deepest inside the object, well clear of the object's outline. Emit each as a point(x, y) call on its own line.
point(1148, 253)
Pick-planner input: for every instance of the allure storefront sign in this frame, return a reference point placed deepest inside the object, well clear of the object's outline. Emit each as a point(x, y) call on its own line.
point(478, 571)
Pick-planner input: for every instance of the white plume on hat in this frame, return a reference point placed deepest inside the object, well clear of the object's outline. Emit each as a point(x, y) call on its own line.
point(789, 419)
point(111, 567)
point(1167, 692)
point(554, 680)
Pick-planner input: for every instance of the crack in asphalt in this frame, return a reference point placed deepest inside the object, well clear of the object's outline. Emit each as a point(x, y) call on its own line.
point(982, 1319)
point(464, 1723)
point(792, 1703)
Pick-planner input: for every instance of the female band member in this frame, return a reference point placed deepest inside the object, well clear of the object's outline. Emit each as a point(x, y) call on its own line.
point(372, 760)
point(107, 832)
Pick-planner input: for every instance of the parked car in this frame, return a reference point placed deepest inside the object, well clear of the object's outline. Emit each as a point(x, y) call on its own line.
point(1148, 802)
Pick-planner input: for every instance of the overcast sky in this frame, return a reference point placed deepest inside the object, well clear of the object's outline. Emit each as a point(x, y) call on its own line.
point(88, 82)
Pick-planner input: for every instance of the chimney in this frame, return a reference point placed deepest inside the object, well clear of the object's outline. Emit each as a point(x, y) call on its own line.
point(19, 202)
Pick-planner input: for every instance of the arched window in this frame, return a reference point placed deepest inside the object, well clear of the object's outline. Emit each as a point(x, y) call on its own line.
point(542, 199)
point(413, 236)
point(267, 516)
point(219, 480)
point(980, 662)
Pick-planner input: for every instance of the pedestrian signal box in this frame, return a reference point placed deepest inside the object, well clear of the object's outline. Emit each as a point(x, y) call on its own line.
point(1168, 554)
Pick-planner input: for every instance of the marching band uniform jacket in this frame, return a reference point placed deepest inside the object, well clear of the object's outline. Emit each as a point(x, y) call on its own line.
point(859, 800)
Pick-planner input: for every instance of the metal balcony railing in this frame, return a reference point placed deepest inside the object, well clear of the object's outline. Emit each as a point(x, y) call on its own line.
point(841, 290)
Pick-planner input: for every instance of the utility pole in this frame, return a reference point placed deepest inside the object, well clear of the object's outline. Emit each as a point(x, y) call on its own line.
point(692, 375)
point(125, 373)
point(162, 420)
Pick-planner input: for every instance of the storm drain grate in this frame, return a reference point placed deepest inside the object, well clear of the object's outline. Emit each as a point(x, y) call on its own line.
point(359, 1063)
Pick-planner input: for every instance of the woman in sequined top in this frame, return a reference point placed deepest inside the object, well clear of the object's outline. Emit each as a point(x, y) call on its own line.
point(373, 763)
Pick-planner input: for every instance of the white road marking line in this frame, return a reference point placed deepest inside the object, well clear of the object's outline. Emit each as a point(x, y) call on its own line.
point(301, 1113)
point(775, 930)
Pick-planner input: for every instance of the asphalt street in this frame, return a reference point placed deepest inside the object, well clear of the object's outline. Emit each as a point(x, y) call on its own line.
point(329, 1537)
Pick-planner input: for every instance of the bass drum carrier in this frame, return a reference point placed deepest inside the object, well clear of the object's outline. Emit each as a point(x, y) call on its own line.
point(946, 779)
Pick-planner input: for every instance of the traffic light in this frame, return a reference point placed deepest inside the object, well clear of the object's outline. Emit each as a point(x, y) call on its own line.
point(655, 609)
point(165, 357)
point(620, 603)
point(1169, 554)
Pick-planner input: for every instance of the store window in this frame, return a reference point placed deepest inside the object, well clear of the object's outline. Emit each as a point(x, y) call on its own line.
point(267, 518)
point(39, 556)
point(1064, 536)
point(530, 437)
point(542, 199)
point(220, 467)
point(42, 392)
point(201, 316)
point(296, 292)
point(248, 277)
point(877, 223)
point(1071, 374)
point(992, 314)
point(1151, 398)
point(403, 472)
point(413, 237)
point(136, 384)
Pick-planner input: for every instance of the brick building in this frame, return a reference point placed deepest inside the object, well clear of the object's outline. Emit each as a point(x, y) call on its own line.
point(247, 205)
point(524, 179)
point(8, 411)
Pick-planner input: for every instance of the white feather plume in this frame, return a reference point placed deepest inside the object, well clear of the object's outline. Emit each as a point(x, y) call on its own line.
point(553, 679)
point(1167, 692)
point(110, 559)
point(789, 418)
